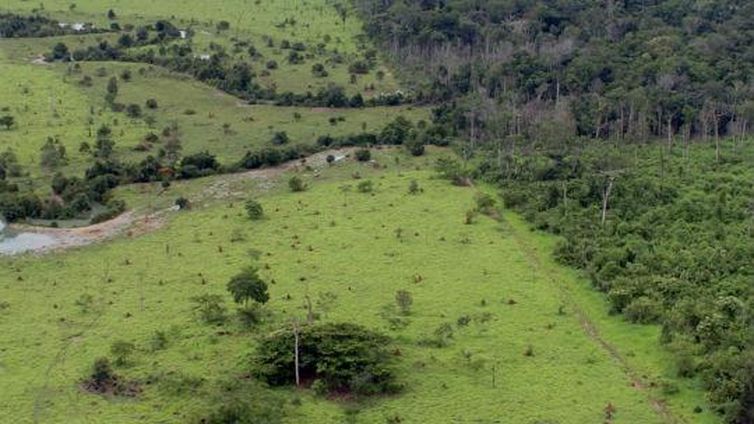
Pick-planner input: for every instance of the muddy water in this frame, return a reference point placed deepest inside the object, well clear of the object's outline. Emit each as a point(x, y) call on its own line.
point(15, 243)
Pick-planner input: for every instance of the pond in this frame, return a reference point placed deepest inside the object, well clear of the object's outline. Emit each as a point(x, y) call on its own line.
point(14, 243)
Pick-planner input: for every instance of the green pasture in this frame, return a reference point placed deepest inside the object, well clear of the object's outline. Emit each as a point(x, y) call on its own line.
point(355, 249)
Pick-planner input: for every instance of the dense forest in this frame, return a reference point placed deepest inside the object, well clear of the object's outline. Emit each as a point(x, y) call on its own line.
point(546, 69)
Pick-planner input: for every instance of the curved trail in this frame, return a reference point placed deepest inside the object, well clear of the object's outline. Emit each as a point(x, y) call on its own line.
point(133, 224)
point(532, 256)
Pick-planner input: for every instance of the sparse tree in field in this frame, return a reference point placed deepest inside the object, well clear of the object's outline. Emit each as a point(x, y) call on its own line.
point(173, 146)
point(248, 286)
point(52, 153)
point(121, 351)
point(404, 300)
point(104, 148)
point(151, 103)
point(111, 15)
point(112, 86)
point(254, 210)
point(7, 121)
point(112, 90)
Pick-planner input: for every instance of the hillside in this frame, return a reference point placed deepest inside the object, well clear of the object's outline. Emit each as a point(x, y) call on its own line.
point(390, 212)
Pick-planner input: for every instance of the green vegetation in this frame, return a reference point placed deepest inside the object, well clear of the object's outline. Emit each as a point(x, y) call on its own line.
point(665, 234)
point(548, 70)
point(477, 303)
point(277, 230)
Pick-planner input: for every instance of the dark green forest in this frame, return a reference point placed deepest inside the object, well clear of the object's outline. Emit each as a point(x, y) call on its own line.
point(603, 69)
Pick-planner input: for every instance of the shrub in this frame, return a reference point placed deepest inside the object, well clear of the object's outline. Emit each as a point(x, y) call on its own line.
point(209, 308)
point(344, 357)
point(133, 110)
point(415, 148)
point(485, 203)
point(404, 300)
point(280, 138)
point(359, 67)
point(254, 210)
point(643, 310)
point(183, 203)
point(103, 380)
point(122, 351)
point(413, 187)
point(365, 186)
point(296, 184)
point(318, 70)
point(363, 155)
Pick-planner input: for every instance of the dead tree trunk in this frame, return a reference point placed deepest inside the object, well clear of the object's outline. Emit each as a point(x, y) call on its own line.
point(606, 197)
point(296, 352)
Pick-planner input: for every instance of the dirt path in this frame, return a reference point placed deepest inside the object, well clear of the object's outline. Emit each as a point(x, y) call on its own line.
point(533, 257)
point(132, 223)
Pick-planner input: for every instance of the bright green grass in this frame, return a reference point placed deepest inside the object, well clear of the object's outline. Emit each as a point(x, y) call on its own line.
point(315, 19)
point(143, 284)
point(47, 100)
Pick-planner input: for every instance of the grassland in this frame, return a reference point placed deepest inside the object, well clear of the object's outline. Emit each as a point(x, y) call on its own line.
point(557, 356)
point(495, 272)
point(48, 101)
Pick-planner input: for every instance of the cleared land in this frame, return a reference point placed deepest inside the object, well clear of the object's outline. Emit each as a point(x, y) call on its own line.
point(493, 272)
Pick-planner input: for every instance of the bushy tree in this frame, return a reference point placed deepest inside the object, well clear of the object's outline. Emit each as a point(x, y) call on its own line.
point(342, 357)
point(248, 286)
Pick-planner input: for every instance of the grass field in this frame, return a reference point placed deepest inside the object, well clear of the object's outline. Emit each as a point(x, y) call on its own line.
point(314, 23)
point(48, 101)
point(497, 273)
